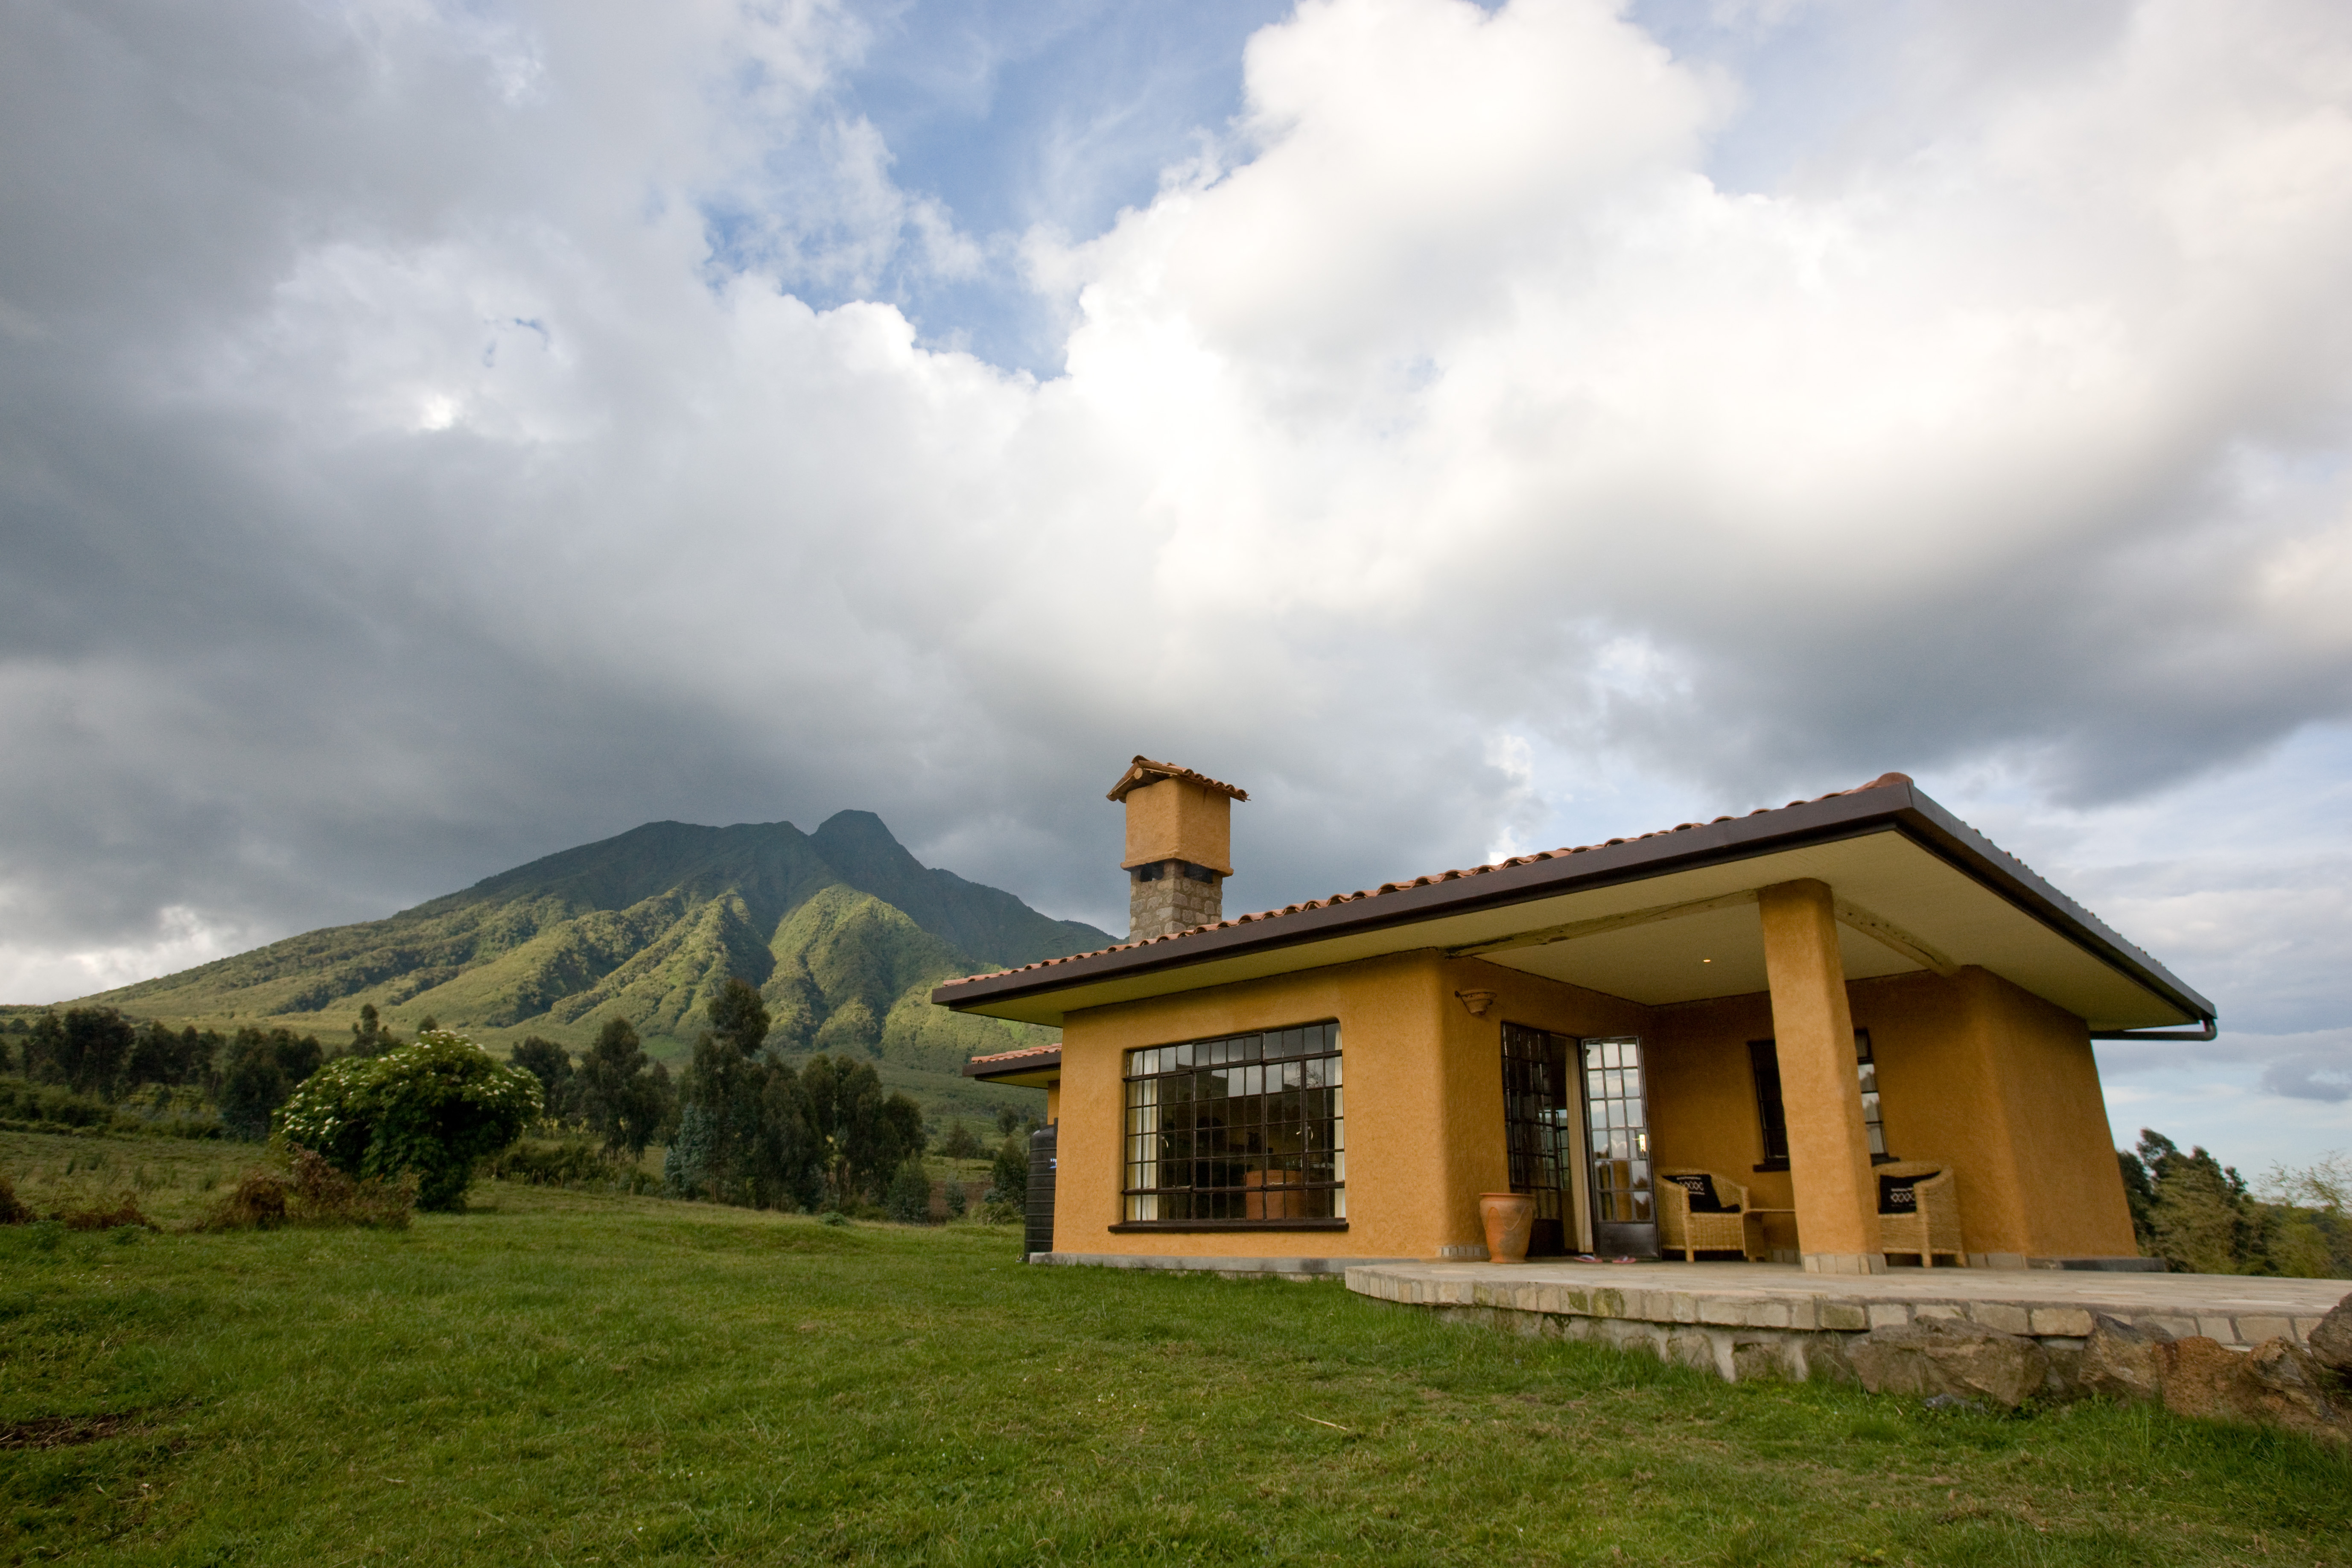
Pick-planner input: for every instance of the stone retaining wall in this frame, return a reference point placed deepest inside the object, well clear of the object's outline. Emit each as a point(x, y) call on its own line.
point(1743, 1336)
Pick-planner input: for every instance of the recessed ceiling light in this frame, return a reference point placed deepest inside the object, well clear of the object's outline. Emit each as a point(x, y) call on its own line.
point(1706, 961)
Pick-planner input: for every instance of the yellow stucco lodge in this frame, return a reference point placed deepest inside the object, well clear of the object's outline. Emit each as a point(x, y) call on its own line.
point(1843, 1031)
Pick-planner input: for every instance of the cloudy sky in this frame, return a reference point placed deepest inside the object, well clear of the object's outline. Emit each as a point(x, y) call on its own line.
point(433, 434)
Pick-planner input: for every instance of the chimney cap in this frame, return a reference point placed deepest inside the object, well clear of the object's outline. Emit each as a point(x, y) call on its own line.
point(1144, 771)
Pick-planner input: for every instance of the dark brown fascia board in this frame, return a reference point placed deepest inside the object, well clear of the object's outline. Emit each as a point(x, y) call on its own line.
point(1041, 1062)
point(1903, 808)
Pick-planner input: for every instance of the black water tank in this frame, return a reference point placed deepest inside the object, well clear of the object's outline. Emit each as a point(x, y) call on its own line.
point(1039, 1232)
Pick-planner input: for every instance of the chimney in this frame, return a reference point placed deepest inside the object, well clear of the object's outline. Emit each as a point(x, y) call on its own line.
point(1178, 844)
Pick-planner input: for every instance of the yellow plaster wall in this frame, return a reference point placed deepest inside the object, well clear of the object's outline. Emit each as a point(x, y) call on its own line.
point(1423, 1099)
point(2071, 1192)
point(1982, 1076)
point(1703, 1101)
point(1177, 820)
point(1941, 1100)
point(1475, 1053)
point(1973, 1072)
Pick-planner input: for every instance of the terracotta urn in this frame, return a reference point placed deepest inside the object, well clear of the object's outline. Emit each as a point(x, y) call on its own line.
point(1508, 1218)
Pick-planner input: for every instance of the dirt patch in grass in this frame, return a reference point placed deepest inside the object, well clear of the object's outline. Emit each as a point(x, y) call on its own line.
point(70, 1431)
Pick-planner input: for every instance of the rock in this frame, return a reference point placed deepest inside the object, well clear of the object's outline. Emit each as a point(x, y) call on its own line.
point(2296, 1388)
point(2331, 1343)
point(2119, 1359)
point(1759, 1361)
point(2277, 1384)
point(2203, 1377)
point(1948, 1355)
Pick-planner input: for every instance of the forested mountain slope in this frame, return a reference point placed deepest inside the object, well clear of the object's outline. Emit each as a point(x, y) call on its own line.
point(843, 931)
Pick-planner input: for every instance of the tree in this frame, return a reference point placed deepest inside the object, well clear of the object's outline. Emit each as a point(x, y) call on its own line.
point(865, 1135)
point(432, 1107)
point(369, 1037)
point(2194, 1211)
point(263, 1070)
point(87, 1051)
point(552, 1065)
point(160, 1056)
point(961, 1142)
point(744, 1134)
point(43, 1047)
point(908, 1199)
point(724, 1101)
point(612, 1092)
point(250, 1091)
point(2313, 1206)
point(739, 1018)
point(1009, 1174)
point(154, 1055)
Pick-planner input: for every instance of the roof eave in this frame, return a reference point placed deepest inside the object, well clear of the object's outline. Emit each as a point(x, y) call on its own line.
point(1902, 808)
point(997, 1070)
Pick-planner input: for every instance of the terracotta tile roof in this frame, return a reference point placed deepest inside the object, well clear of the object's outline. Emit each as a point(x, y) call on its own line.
point(1144, 771)
point(1013, 1058)
point(1882, 781)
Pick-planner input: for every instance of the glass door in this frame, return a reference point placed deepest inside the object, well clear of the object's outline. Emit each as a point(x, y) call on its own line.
point(1536, 1084)
point(1616, 1118)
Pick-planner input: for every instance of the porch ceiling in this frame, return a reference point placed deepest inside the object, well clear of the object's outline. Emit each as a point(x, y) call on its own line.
point(1916, 889)
point(1720, 953)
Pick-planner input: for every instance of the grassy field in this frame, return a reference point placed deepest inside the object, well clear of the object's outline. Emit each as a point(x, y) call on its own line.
point(556, 1376)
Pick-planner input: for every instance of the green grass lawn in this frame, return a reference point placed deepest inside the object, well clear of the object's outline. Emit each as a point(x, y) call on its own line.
point(561, 1377)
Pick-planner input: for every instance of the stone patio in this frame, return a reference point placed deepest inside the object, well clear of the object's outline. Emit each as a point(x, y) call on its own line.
point(1770, 1319)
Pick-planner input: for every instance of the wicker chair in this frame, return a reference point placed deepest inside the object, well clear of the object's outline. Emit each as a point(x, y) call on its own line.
point(1687, 1233)
point(1933, 1228)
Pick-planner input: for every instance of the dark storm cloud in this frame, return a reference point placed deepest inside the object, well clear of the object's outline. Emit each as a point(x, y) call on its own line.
point(413, 457)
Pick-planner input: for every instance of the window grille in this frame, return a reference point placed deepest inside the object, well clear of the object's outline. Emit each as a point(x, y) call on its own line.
point(1771, 1114)
point(1539, 1086)
point(1245, 1129)
point(1618, 1130)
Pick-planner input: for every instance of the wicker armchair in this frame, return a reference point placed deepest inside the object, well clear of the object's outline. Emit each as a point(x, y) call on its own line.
point(1681, 1230)
point(1932, 1226)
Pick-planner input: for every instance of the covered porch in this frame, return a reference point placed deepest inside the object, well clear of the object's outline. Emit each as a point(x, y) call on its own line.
point(1881, 1063)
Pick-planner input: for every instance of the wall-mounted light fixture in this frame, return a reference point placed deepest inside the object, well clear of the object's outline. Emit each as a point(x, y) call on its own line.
point(1477, 1002)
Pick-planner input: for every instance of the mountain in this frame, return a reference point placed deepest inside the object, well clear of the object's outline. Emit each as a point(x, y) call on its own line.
point(843, 931)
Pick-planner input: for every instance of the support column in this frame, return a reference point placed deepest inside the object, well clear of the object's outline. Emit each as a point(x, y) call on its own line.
point(1813, 1031)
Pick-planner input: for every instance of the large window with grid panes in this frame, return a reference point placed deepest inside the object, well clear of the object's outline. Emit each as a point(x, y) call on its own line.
point(1241, 1130)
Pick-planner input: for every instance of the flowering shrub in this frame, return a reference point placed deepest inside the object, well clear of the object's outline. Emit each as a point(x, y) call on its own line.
point(432, 1108)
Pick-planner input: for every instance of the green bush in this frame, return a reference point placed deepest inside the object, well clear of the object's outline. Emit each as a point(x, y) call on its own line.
point(908, 1199)
point(310, 1192)
point(572, 1162)
point(432, 1107)
point(51, 1104)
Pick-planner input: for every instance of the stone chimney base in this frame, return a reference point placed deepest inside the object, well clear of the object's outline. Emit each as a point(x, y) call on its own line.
point(1165, 897)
